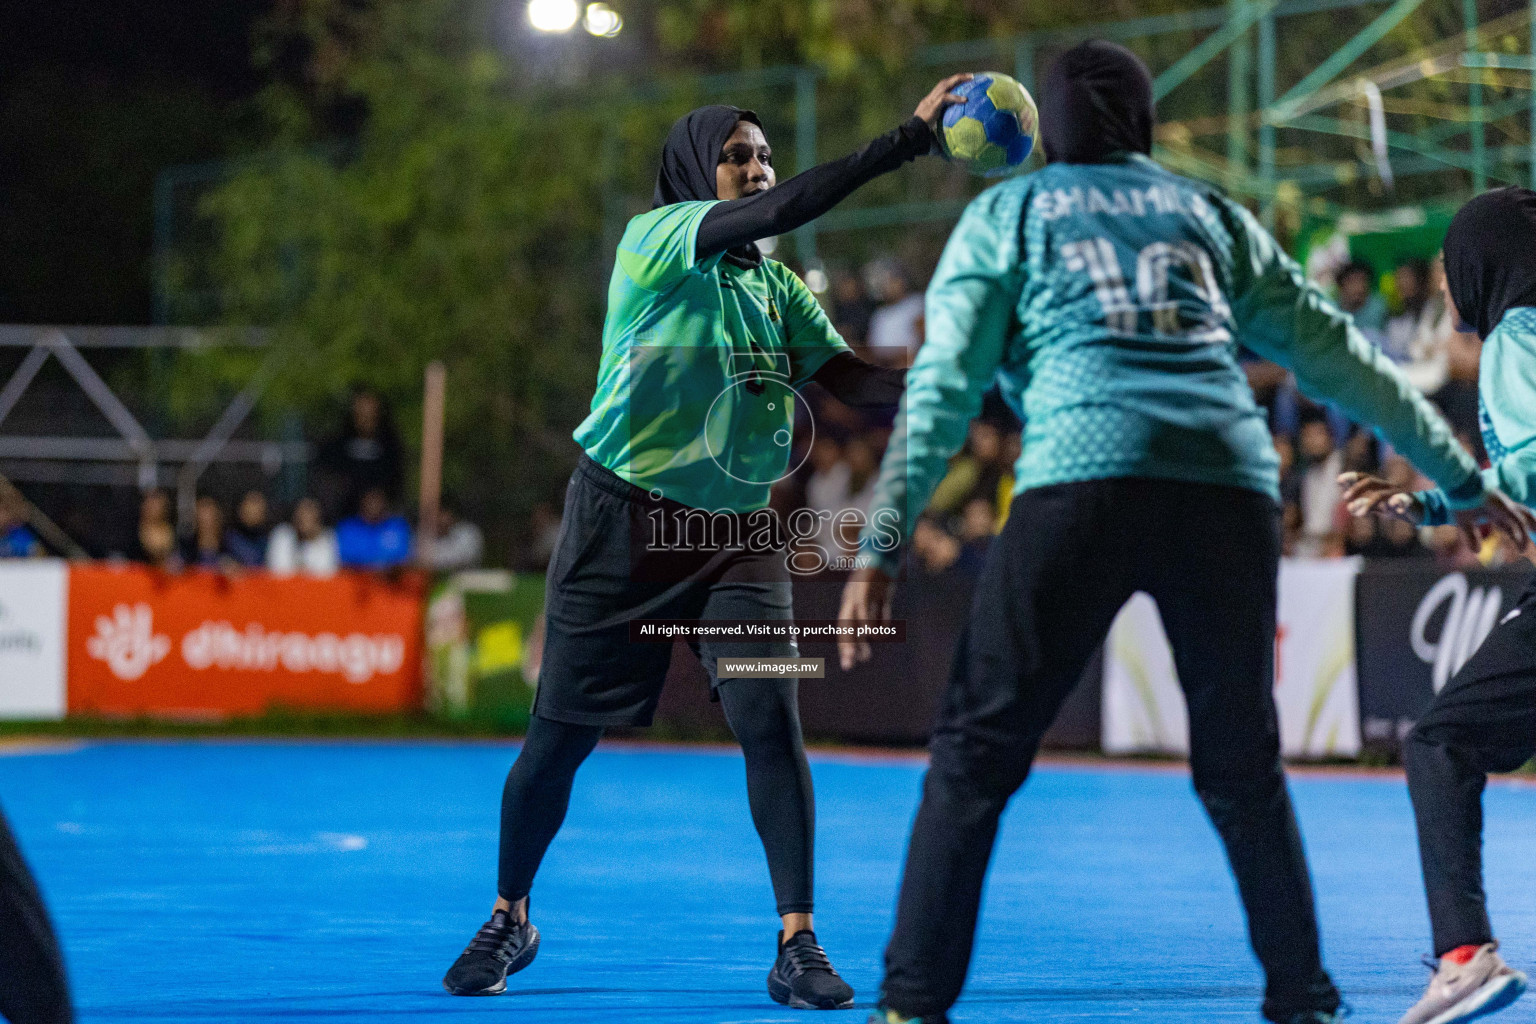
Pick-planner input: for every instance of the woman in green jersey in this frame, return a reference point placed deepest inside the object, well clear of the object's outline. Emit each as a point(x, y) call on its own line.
point(706, 346)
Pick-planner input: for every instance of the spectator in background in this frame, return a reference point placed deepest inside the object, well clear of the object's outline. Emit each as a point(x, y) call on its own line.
point(1385, 539)
point(851, 308)
point(375, 538)
point(1457, 395)
point(304, 544)
point(16, 538)
point(828, 487)
point(205, 548)
point(934, 548)
point(365, 455)
point(1358, 297)
point(896, 327)
point(155, 542)
point(246, 539)
point(1319, 464)
point(976, 526)
point(1415, 338)
point(976, 471)
point(863, 460)
point(456, 543)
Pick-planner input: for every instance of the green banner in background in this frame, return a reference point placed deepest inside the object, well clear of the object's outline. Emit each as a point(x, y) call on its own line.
point(485, 638)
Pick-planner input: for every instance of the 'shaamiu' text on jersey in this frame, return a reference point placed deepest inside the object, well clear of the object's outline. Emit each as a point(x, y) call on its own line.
point(1108, 301)
point(702, 359)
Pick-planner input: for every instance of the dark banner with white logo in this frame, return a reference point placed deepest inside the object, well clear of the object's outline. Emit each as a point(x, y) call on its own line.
point(1415, 625)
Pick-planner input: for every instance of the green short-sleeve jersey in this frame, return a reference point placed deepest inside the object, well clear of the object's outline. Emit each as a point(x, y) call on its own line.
point(702, 365)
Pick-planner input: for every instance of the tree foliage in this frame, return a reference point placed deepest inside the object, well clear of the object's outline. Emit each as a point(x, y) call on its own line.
point(461, 223)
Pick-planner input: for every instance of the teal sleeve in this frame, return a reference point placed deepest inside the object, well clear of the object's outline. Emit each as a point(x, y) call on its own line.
point(1285, 318)
point(658, 246)
point(1439, 504)
point(970, 310)
point(812, 339)
point(1508, 392)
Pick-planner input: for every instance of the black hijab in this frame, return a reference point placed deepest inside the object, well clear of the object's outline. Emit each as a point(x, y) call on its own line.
point(1097, 103)
point(689, 159)
point(1490, 257)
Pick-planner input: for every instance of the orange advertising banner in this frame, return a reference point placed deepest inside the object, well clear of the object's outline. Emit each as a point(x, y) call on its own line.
point(203, 644)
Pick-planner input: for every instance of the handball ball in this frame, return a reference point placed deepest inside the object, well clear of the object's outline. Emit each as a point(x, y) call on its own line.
point(993, 131)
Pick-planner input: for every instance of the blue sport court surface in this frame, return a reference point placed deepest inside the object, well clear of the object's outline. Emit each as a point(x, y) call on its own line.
point(336, 882)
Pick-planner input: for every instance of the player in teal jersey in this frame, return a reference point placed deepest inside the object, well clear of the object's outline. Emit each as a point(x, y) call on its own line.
point(1106, 297)
point(1484, 720)
point(705, 347)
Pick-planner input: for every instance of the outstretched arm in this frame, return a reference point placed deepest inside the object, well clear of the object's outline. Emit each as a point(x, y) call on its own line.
point(1286, 318)
point(812, 193)
point(970, 311)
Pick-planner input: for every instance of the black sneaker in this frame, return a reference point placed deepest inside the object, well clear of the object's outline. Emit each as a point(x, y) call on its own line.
point(803, 978)
point(498, 949)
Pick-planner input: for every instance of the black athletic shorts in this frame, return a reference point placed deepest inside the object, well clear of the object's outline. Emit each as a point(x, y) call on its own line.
point(620, 557)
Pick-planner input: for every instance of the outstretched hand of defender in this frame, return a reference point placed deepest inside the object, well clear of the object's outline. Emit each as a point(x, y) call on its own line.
point(1369, 495)
point(932, 106)
point(866, 599)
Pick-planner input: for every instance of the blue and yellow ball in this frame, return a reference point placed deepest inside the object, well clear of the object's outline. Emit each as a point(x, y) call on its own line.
point(993, 131)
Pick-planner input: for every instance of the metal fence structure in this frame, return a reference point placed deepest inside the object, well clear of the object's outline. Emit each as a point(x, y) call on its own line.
point(130, 456)
point(1343, 122)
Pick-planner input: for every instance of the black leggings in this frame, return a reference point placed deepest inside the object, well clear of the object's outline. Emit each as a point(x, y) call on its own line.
point(32, 986)
point(1068, 558)
point(764, 715)
point(1483, 721)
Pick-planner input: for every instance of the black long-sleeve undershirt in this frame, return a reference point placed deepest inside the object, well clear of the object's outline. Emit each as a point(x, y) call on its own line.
point(809, 194)
point(861, 385)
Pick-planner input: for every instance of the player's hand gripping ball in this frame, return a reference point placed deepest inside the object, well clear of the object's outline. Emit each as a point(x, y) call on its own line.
point(993, 131)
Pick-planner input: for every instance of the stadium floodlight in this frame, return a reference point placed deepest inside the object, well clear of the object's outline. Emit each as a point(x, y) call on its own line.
point(602, 20)
point(553, 15)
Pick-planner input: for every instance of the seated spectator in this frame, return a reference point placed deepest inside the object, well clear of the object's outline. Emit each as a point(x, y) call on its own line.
point(1358, 297)
point(456, 544)
point(977, 470)
point(304, 544)
point(851, 308)
point(205, 548)
point(246, 540)
point(155, 543)
point(1457, 395)
point(828, 488)
point(1381, 538)
point(863, 463)
point(1290, 528)
point(16, 538)
point(1319, 464)
point(896, 327)
point(934, 548)
point(1417, 338)
point(375, 538)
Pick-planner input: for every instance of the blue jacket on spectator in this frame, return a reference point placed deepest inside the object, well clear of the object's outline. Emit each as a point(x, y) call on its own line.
point(378, 545)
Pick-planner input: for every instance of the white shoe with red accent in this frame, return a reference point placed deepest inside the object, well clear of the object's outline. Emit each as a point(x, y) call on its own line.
point(1469, 982)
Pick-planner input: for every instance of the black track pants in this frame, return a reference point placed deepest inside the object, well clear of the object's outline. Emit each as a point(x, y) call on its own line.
point(1483, 721)
point(764, 715)
point(1067, 560)
point(32, 984)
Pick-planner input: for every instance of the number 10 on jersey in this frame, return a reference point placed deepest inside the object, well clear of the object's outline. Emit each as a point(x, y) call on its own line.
point(1201, 316)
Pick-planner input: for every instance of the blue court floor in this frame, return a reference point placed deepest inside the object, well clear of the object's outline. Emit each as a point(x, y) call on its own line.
point(336, 882)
